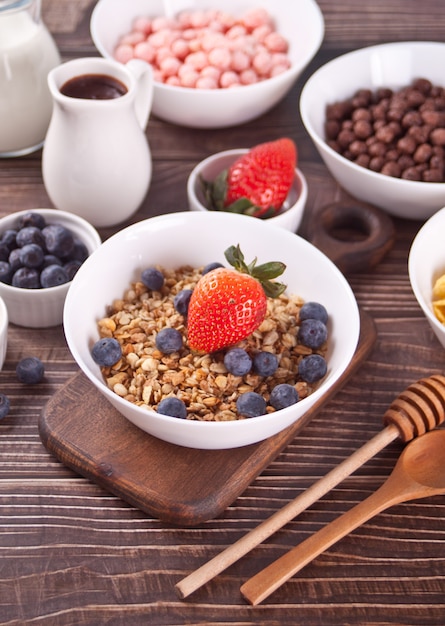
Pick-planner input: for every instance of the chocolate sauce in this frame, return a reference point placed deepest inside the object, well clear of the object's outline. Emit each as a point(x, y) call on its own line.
point(93, 87)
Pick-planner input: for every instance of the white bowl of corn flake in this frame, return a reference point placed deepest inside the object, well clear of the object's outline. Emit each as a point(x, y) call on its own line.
point(171, 242)
point(426, 267)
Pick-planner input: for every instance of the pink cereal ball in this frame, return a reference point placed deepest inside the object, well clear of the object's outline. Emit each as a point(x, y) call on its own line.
point(180, 48)
point(188, 79)
point(198, 60)
point(211, 39)
point(161, 23)
point(199, 19)
point(220, 57)
point(238, 30)
point(225, 19)
point(173, 81)
point(228, 79)
point(132, 38)
point(124, 53)
point(170, 66)
point(261, 32)
point(158, 76)
point(206, 82)
point(249, 77)
point(240, 61)
point(276, 42)
point(278, 69)
point(262, 63)
point(162, 53)
point(142, 24)
point(145, 51)
point(255, 17)
point(212, 72)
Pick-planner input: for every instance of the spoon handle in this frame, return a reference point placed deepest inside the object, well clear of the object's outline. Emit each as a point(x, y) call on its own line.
point(260, 586)
point(269, 526)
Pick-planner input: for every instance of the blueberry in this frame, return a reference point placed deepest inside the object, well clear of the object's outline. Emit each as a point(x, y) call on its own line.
point(182, 300)
point(32, 219)
point(31, 255)
point(53, 275)
point(283, 395)
point(51, 259)
point(174, 407)
point(169, 340)
point(152, 278)
point(26, 278)
point(28, 235)
point(237, 362)
point(313, 310)
point(58, 240)
point(5, 405)
point(312, 368)
point(14, 260)
point(211, 266)
point(251, 404)
point(106, 351)
point(4, 251)
point(79, 251)
point(71, 268)
point(30, 370)
point(265, 363)
point(5, 272)
point(312, 333)
point(9, 238)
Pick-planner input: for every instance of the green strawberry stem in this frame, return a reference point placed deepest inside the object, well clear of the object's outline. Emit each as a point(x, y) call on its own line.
point(264, 273)
point(215, 194)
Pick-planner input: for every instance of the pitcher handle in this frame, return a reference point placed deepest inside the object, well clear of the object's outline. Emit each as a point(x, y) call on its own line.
point(143, 73)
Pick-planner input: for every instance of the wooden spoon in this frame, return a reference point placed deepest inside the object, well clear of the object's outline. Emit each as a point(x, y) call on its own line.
point(418, 409)
point(419, 473)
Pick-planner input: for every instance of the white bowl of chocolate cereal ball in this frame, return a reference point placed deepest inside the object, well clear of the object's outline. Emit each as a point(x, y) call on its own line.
point(211, 342)
point(377, 118)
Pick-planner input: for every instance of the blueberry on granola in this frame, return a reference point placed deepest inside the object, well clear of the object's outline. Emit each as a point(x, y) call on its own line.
point(283, 395)
point(174, 407)
point(312, 333)
point(237, 362)
point(312, 368)
point(181, 301)
point(106, 351)
point(313, 310)
point(169, 340)
point(152, 278)
point(251, 404)
point(265, 363)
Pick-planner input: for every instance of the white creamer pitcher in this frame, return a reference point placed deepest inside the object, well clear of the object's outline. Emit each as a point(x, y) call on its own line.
point(96, 160)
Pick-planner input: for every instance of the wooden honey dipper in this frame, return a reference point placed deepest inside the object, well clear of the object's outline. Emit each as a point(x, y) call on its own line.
point(417, 410)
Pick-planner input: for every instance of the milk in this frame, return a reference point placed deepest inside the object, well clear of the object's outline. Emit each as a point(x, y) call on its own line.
point(27, 53)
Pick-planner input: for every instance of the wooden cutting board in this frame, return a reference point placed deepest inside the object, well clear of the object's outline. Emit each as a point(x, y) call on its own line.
point(181, 486)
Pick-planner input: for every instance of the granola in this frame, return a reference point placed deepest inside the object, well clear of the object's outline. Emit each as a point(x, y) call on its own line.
point(144, 375)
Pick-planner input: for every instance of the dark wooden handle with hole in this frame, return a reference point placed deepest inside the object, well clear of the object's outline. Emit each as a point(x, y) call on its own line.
point(354, 236)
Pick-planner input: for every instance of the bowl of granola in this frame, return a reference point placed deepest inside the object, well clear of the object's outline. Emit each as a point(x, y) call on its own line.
point(146, 341)
point(215, 64)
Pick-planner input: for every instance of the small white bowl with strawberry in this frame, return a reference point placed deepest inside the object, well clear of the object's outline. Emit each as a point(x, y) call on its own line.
point(263, 182)
point(210, 327)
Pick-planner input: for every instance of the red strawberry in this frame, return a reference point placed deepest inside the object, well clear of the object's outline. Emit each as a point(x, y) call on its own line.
point(257, 183)
point(227, 305)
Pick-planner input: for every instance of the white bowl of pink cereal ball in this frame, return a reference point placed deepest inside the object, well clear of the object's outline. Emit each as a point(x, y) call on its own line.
point(215, 65)
point(211, 369)
point(377, 118)
point(40, 252)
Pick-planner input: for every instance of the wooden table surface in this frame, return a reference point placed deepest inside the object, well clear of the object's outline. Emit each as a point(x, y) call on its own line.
point(71, 553)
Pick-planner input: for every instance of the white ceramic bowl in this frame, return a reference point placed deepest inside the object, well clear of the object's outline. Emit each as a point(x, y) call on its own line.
point(41, 308)
point(300, 22)
point(393, 65)
point(3, 331)
point(426, 263)
point(197, 238)
point(290, 215)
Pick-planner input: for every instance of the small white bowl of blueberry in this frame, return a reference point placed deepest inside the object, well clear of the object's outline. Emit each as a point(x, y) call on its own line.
point(40, 252)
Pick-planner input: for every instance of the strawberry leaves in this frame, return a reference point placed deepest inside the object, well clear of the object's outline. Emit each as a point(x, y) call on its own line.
point(264, 273)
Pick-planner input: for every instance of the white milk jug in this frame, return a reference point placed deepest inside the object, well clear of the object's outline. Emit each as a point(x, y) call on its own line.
point(96, 160)
point(27, 54)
